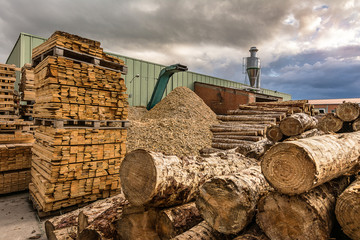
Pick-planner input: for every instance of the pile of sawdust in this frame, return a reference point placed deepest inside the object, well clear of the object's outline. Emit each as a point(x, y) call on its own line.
point(136, 113)
point(178, 125)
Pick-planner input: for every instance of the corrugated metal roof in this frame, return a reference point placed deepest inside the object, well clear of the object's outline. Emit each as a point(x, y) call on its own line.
point(334, 101)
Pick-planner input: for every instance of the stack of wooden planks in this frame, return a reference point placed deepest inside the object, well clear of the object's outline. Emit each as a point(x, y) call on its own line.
point(15, 137)
point(27, 91)
point(250, 122)
point(81, 108)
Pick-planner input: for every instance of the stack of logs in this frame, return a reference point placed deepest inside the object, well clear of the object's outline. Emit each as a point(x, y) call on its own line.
point(15, 139)
point(80, 109)
point(27, 92)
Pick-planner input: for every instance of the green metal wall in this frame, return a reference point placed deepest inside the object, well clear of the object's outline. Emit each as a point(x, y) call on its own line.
point(139, 89)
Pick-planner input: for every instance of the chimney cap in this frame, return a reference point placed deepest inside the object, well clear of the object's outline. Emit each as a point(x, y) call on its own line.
point(253, 49)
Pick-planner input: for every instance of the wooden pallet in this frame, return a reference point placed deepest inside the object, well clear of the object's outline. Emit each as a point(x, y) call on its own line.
point(95, 124)
point(79, 57)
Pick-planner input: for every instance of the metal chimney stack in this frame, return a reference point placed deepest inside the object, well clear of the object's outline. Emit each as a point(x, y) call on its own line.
point(253, 68)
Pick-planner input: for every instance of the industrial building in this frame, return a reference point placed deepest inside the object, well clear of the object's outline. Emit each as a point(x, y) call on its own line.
point(142, 75)
point(330, 105)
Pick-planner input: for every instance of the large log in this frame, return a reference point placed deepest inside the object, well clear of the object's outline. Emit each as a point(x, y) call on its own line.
point(274, 133)
point(255, 150)
point(297, 166)
point(174, 221)
point(309, 216)
point(330, 123)
point(297, 124)
point(228, 203)
point(137, 223)
point(348, 111)
point(153, 179)
point(202, 231)
point(347, 210)
point(356, 125)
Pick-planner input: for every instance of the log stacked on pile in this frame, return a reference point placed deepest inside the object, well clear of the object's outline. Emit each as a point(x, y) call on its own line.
point(27, 91)
point(252, 122)
point(15, 138)
point(76, 160)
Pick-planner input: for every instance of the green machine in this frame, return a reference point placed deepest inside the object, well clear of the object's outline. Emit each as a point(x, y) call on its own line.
point(162, 82)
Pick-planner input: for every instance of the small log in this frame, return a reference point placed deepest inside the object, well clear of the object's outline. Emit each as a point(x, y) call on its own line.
point(348, 111)
point(267, 109)
point(245, 118)
point(308, 216)
point(347, 210)
point(228, 203)
point(356, 125)
point(137, 225)
point(202, 231)
point(330, 123)
point(223, 139)
point(156, 180)
point(226, 146)
point(242, 125)
point(174, 221)
point(274, 133)
point(256, 112)
point(237, 137)
point(295, 167)
point(246, 133)
point(255, 150)
point(310, 133)
point(297, 124)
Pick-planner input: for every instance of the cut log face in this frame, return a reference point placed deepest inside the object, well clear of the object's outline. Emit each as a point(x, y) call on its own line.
point(274, 133)
point(227, 203)
point(297, 166)
point(156, 180)
point(297, 124)
point(308, 216)
point(174, 221)
point(348, 111)
point(356, 125)
point(348, 210)
point(330, 123)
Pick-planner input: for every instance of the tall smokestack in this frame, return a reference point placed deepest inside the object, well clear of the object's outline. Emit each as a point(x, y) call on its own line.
point(253, 68)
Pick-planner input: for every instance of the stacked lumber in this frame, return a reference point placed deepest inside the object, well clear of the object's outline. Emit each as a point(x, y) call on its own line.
point(27, 91)
point(15, 137)
point(81, 109)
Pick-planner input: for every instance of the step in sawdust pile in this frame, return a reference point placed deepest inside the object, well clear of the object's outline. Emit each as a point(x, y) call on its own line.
point(306, 186)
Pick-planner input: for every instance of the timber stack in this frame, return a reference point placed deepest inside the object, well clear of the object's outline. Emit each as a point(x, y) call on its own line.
point(27, 92)
point(81, 112)
point(15, 139)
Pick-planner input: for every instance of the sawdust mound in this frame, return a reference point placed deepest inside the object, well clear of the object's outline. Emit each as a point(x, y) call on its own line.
point(181, 103)
point(178, 125)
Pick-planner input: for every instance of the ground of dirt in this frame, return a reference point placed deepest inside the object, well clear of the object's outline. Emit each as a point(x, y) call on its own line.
point(18, 219)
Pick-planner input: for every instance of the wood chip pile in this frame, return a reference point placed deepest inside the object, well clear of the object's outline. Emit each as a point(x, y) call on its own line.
point(27, 92)
point(178, 125)
point(81, 108)
point(15, 140)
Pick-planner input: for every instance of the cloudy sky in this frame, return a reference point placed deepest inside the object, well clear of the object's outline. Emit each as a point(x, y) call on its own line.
point(309, 49)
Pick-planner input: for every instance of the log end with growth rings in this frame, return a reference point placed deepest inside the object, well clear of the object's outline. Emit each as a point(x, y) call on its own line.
point(288, 168)
point(138, 177)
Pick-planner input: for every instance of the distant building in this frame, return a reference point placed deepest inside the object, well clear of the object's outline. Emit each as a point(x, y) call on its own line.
point(329, 105)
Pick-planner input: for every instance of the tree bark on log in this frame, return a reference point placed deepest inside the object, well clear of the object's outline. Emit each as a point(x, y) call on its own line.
point(267, 109)
point(274, 133)
point(226, 146)
point(241, 133)
point(297, 124)
point(246, 118)
point(256, 112)
point(228, 203)
point(230, 140)
point(174, 221)
point(255, 150)
point(308, 216)
point(356, 125)
point(330, 123)
point(101, 213)
point(295, 167)
point(238, 130)
point(237, 137)
point(347, 210)
point(310, 133)
point(253, 232)
point(241, 125)
point(156, 180)
point(348, 111)
point(202, 231)
point(134, 225)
